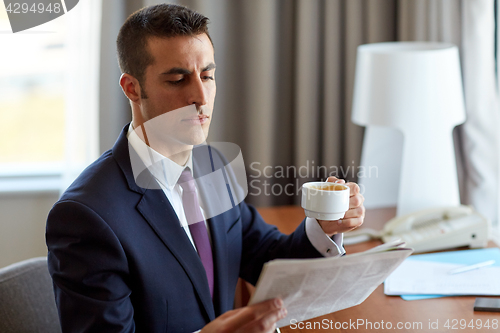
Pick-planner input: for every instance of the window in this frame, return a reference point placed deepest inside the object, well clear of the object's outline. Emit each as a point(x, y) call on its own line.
point(48, 99)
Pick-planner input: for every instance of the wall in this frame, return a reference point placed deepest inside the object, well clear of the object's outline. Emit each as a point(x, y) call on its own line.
point(22, 225)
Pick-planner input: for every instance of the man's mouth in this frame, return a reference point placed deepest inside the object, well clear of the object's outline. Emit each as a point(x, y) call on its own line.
point(198, 120)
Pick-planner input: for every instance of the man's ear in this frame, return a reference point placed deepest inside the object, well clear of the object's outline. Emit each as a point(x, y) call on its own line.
point(131, 87)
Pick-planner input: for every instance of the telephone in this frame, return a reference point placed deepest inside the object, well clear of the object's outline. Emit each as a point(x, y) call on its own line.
point(435, 229)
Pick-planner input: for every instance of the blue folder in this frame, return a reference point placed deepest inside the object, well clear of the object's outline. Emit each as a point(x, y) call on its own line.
point(465, 257)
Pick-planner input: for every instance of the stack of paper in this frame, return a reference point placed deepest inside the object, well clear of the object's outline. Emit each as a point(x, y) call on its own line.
point(428, 275)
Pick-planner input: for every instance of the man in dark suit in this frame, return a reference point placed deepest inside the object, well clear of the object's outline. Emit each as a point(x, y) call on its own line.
point(125, 254)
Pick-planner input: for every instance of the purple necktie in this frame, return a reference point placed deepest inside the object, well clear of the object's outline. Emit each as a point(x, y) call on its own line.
point(197, 225)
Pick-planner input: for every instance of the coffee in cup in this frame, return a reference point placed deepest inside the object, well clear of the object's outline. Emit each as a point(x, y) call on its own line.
point(329, 187)
point(325, 200)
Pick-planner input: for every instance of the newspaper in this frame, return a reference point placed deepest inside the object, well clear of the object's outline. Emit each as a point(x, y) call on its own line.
point(314, 287)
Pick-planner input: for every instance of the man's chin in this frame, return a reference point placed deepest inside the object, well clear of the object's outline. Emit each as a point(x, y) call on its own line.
point(197, 137)
point(198, 140)
point(193, 139)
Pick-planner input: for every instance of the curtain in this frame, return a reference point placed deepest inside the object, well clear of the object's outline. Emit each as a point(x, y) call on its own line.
point(480, 132)
point(113, 105)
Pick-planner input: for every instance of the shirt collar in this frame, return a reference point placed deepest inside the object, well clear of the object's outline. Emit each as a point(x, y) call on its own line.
point(166, 171)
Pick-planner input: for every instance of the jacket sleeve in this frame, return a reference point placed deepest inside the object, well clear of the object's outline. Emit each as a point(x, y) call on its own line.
point(89, 271)
point(263, 242)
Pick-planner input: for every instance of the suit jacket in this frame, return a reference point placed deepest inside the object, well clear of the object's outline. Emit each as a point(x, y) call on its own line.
point(121, 262)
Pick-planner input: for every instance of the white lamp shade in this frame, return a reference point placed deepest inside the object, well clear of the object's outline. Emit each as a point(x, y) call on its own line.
point(415, 87)
point(408, 84)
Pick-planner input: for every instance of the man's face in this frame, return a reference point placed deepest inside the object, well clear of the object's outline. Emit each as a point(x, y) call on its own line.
point(182, 74)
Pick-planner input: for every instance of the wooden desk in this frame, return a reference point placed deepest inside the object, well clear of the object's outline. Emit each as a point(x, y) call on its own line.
point(381, 310)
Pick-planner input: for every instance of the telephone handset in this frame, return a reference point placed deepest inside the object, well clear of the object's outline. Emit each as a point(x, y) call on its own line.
point(434, 229)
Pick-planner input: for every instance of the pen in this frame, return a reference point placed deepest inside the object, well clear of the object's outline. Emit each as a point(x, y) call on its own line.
point(471, 267)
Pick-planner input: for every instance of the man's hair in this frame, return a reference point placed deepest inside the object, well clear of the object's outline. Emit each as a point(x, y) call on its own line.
point(164, 20)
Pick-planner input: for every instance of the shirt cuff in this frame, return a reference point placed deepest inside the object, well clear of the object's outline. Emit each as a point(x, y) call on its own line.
point(328, 247)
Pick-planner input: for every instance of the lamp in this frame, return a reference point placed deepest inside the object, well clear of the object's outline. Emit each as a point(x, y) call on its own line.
point(415, 87)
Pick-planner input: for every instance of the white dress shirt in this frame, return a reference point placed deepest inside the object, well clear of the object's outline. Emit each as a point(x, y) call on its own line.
point(168, 175)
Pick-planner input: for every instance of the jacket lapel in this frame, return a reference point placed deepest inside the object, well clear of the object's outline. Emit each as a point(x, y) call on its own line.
point(159, 214)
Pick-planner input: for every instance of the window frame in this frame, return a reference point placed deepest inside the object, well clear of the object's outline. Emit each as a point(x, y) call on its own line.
point(81, 110)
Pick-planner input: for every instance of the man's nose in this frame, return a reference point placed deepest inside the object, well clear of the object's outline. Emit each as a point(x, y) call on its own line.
point(197, 93)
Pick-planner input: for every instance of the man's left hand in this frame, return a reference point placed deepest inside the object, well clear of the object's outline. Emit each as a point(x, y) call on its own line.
point(353, 218)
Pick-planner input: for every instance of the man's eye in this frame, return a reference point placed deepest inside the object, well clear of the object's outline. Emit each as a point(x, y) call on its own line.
point(176, 82)
point(206, 78)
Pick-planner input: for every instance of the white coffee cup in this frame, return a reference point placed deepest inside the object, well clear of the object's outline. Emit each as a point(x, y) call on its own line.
point(325, 200)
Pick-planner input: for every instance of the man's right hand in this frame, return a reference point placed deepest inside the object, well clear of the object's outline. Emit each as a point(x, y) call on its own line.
point(260, 317)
